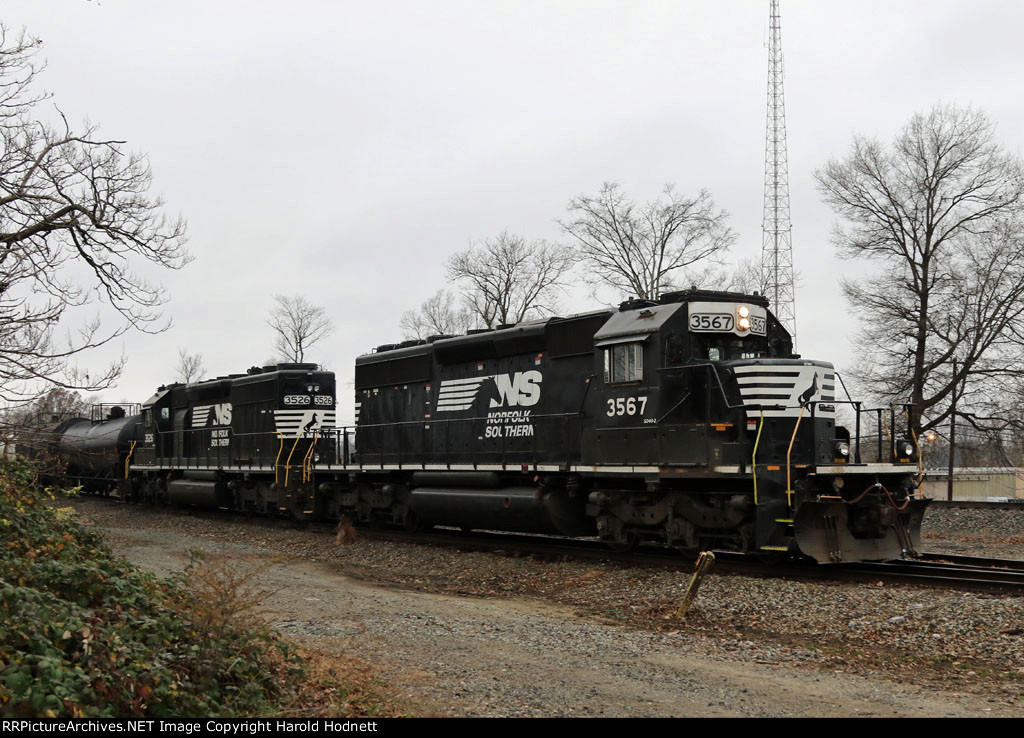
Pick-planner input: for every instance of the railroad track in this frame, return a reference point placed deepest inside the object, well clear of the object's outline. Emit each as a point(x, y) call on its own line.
point(1004, 576)
point(979, 561)
point(947, 571)
point(966, 573)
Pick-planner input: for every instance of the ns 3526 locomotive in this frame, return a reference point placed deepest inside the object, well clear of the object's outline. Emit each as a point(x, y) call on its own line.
point(686, 421)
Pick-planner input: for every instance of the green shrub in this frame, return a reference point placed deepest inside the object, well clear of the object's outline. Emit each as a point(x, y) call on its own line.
point(83, 633)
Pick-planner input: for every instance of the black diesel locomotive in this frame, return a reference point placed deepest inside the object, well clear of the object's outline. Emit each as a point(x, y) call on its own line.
point(246, 442)
point(686, 421)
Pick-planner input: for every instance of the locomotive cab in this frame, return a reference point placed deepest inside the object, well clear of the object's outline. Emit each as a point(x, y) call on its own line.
point(661, 398)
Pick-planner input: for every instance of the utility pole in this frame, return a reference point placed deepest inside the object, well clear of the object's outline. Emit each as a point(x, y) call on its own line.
point(952, 438)
point(777, 245)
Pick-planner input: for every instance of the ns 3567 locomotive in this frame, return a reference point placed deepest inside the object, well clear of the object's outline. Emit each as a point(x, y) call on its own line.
point(686, 421)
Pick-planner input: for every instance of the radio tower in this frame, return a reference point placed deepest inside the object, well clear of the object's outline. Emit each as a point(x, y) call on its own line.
point(777, 246)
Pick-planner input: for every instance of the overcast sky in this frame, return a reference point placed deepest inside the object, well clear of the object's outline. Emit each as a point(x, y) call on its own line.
point(341, 150)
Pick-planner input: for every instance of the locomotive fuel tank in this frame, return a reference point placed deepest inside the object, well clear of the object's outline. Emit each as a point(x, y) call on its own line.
point(199, 489)
point(521, 509)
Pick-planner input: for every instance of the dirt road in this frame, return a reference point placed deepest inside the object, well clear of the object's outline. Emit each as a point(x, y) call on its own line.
point(452, 655)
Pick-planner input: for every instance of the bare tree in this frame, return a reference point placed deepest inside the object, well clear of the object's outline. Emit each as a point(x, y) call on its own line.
point(441, 315)
point(506, 279)
point(31, 424)
point(75, 220)
point(940, 210)
point(55, 404)
point(298, 325)
point(644, 250)
point(744, 275)
point(190, 366)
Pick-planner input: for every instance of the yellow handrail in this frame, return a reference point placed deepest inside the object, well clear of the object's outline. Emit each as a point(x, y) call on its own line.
point(288, 464)
point(128, 458)
point(307, 460)
point(277, 460)
point(753, 458)
point(789, 453)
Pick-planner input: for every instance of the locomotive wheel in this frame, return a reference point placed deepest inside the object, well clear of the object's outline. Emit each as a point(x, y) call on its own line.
point(412, 522)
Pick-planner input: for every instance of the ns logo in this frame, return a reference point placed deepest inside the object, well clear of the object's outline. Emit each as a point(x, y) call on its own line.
point(513, 390)
point(521, 388)
point(221, 414)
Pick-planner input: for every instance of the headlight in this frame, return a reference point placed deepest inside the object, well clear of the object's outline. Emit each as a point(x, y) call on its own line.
point(842, 449)
point(905, 450)
point(743, 317)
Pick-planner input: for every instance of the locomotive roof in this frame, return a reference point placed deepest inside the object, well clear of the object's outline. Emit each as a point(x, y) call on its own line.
point(635, 317)
point(507, 339)
point(637, 322)
point(255, 374)
point(159, 395)
point(695, 295)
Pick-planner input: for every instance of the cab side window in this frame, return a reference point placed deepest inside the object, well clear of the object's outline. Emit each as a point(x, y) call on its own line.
point(624, 363)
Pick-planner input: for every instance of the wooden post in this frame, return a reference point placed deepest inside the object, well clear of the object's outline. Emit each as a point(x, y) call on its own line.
point(704, 563)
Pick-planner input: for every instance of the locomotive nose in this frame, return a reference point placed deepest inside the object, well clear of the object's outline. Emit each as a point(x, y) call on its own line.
point(831, 532)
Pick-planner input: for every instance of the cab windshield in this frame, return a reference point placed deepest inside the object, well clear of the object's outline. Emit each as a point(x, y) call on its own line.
point(729, 348)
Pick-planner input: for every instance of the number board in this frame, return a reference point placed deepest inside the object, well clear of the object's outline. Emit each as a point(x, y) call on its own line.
point(711, 322)
point(721, 317)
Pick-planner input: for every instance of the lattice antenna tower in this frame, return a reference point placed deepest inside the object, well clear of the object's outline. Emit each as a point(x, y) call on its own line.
point(777, 245)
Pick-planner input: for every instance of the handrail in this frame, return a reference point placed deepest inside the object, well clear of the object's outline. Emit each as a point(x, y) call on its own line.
point(586, 391)
point(789, 453)
point(307, 471)
point(753, 459)
point(675, 407)
point(341, 437)
point(128, 458)
point(288, 463)
point(277, 460)
point(888, 434)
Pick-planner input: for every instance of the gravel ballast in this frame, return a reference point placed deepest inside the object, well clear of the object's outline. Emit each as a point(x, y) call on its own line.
point(472, 633)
